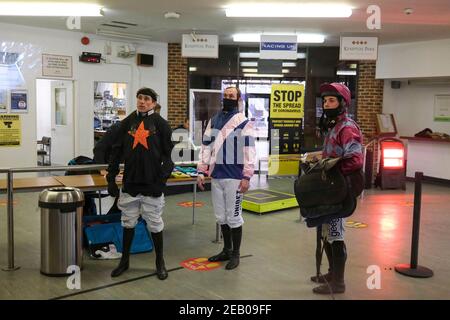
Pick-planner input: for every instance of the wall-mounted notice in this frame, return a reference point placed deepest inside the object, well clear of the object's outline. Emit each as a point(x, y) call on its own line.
point(442, 108)
point(56, 66)
point(3, 100)
point(200, 46)
point(358, 48)
point(19, 101)
point(10, 130)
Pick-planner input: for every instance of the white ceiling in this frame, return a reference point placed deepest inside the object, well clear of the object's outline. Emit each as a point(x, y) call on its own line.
point(430, 20)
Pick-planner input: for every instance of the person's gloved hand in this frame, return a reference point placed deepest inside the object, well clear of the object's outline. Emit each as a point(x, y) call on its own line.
point(113, 189)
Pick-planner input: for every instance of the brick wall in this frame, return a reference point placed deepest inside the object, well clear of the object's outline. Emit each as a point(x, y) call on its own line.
point(177, 108)
point(370, 103)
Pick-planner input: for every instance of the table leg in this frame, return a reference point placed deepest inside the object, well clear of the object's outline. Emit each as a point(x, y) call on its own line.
point(99, 202)
point(10, 222)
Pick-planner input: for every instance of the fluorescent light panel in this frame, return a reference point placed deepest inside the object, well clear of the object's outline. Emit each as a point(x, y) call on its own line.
point(262, 75)
point(301, 37)
point(46, 9)
point(250, 70)
point(255, 70)
point(255, 64)
point(289, 11)
point(300, 55)
point(346, 73)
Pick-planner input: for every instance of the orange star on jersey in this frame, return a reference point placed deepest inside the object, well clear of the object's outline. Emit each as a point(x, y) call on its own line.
point(140, 136)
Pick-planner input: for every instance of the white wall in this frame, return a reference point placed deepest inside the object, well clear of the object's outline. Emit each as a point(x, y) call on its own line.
point(43, 108)
point(32, 42)
point(414, 60)
point(413, 107)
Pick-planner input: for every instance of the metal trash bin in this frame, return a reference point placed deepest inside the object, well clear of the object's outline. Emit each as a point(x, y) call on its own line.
point(61, 229)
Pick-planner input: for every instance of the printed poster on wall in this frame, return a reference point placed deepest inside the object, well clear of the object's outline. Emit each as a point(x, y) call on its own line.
point(19, 101)
point(442, 108)
point(286, 101)
point(56, 66)
point(286, 118)
point(3, 100)
point(10, 130)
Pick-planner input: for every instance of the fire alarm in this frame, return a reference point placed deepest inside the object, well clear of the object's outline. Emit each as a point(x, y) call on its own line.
point(85, 41)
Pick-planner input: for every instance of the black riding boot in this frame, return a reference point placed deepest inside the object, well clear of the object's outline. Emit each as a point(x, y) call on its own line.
point(225, 254)
point(236, 236)
point(339, 257)
point(161, 271)
point(128, 235)
point(329, 276)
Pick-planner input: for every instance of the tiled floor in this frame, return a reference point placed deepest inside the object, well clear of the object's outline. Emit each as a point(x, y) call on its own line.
point(277, 249)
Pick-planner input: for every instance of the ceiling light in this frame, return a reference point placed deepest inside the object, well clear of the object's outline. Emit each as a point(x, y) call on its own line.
point(300, 55)
point(301, 37)
point(250, 70)
point(172, 15)
point(46, 9)
point(289, 64)
point(346, 73)
point(310, 38)
point(129, 36)
point(249, 55)
point(262, 75)
point(284, 70)
point(289, 11)
point(193, 69)
point(255, 64)
point(249, 64)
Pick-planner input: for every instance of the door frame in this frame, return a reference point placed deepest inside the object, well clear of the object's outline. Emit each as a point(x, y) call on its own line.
point(75, 102)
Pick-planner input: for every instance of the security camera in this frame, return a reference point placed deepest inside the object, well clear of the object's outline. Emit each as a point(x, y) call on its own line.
point(408, 11)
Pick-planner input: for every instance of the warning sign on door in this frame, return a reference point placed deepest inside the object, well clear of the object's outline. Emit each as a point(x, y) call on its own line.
point(10, 130)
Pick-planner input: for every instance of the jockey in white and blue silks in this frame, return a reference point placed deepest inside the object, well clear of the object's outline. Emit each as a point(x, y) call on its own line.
point(227, 155)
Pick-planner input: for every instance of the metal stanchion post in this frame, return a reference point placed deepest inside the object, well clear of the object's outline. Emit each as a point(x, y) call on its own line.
point(413, 269)
point(193, 203)
point(10, 222)
point(218, 234)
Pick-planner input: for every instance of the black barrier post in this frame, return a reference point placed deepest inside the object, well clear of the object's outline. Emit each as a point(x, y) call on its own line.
point(413, 269)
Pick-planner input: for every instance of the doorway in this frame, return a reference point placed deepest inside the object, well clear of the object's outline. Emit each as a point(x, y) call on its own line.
point(257, 110)
point(54, 106)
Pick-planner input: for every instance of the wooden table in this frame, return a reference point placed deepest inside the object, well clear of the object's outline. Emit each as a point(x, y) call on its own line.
point(87, 182)
point(31, 184)
point(83, 182)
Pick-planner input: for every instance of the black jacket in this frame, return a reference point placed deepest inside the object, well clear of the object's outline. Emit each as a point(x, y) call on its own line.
point(148, 162)
point(103, 148)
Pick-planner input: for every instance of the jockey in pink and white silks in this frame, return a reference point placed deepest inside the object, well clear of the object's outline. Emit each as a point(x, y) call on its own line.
point(228, 155)
point(343, 139)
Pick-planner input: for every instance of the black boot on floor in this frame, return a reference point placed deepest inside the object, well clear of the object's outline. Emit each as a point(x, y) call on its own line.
point(124, 264)
point(329, 276)
point(161, 271)
point(236, 236)
point(337, 285)
point(225, 254)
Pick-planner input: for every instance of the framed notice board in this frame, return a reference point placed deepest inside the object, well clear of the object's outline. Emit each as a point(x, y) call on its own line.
point(386, 124)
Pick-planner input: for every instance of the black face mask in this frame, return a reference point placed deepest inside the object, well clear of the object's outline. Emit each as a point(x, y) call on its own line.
point(332, 113)
point(229, 104)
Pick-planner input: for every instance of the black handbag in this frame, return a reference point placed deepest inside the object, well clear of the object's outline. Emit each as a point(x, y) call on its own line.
point(321, 184)
point(323, 192)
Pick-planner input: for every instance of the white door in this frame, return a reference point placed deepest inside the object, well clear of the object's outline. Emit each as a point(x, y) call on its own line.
point(62, 147)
